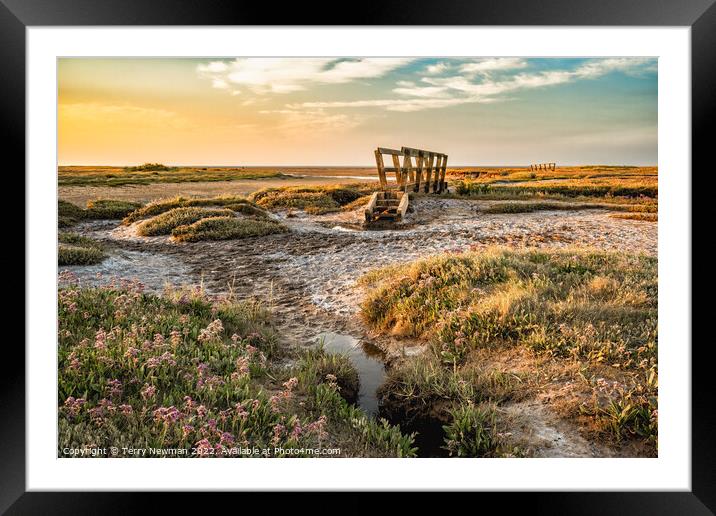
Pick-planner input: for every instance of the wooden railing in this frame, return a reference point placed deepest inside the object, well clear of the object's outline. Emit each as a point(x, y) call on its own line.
point(428, 171)
point(543, 166)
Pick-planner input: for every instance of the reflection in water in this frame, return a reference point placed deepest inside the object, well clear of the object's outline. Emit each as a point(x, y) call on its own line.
point(368, 361)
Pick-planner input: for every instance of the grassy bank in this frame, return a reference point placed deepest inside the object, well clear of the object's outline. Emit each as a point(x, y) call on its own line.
point(200, 374)
point(313, 200)
point(577, 325)
point(69, 214)
point(74, 249)
point(192, 219)
point(150, 173)
point(569, 189)
point(529, 207)
point(235, 203)
point(613, 183)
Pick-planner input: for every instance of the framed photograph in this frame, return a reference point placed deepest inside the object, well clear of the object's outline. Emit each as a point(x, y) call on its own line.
point(447, 254)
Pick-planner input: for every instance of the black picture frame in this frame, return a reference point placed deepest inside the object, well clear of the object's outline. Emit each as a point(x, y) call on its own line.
point(700, 15)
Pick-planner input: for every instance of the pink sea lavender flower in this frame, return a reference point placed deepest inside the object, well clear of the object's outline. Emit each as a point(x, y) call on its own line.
point(127, 410)
point(167, 415)
point(318, 427)
point(115, 387)
point(74, 362)
point(74, 405)
point(227, 439)
point(201, 411)
point(100, 339)
point(242, 366)
point(204, 448)
point(212, 331)
point(275, 402)
point(278, 430)
point(297, 430)
point(175, 338)
point(186, 430)
point(148, 391)
point(241, 411)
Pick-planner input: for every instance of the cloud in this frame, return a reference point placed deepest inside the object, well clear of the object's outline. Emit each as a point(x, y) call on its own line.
point(478, 85)
point(313, 121)
point(286, 75)
point(493, 64)
point(437, 68)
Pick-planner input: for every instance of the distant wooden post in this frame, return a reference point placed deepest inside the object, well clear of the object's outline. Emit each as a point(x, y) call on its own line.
point(381, 169)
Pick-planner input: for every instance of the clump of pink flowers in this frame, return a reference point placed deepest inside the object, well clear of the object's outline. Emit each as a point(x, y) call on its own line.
point(318, 427)
point(148, 391)
point(167, 415)
point(212, 331)
point(74, 405)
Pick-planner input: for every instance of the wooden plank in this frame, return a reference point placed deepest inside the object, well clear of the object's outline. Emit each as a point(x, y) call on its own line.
point(408, 151)
point(418, 172)
point(405, 173)
point(381, 169)
point(398, 171)
point(443, 171)
point(370, 206)
point(429, 171)
point(438, 170)
point(392, 152)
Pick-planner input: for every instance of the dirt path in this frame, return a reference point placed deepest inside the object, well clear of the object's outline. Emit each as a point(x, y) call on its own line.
point(308, 276)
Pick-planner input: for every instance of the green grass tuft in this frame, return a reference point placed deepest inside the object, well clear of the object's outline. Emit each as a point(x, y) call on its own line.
point(74, 249)
point(110, 209)
point(165, 223)
point(233, 202)
point(314, 199)
point(226, 228)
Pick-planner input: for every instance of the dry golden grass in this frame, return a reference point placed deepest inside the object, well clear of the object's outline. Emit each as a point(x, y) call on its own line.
point(582, 322)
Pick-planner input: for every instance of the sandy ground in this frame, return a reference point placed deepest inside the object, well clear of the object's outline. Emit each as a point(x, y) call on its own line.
point(308, 276)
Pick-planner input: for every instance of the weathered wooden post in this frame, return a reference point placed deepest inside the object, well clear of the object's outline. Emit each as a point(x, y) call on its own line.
point(428, 173)
point(438, 169)
point(408, 170)
point(443, 172)
point(398, 171)
point(418, 172)
point(381, 169)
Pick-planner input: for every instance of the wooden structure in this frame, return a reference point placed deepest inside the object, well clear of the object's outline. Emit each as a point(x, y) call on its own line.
point(387, 206)
point(427, 173)
point(543, 166)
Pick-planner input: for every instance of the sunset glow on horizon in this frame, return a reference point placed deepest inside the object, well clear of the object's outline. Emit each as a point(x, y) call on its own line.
point(336, 111)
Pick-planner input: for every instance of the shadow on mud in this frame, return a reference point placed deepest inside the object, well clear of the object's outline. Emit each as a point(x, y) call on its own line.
point(426, 421)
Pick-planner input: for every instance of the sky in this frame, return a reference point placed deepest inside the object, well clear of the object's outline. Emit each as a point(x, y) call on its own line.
point(336, 111)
